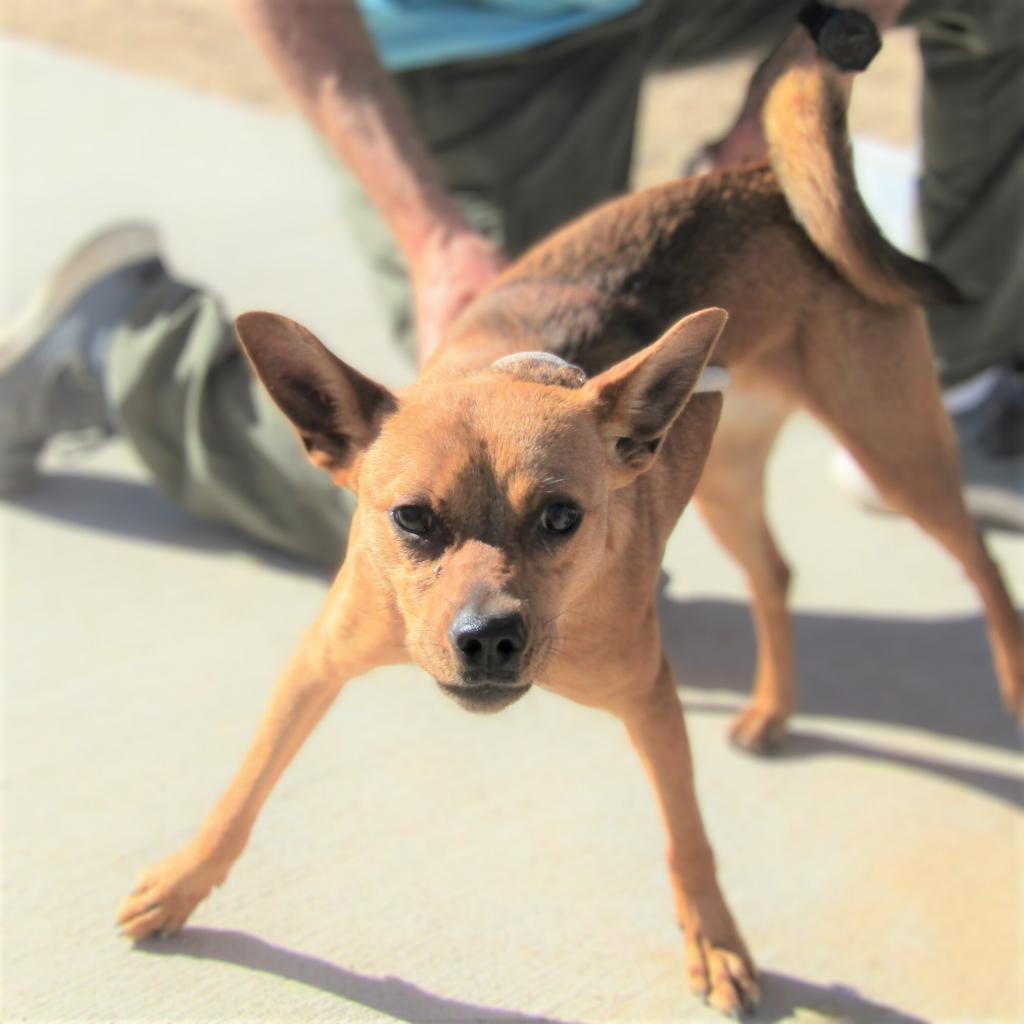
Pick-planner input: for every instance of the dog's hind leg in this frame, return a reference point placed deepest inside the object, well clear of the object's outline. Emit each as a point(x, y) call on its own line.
point(871, 380)
point(731, 497)
point(350, 637)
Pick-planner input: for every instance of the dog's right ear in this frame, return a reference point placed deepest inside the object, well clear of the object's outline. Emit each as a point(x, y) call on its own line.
point(336, 410)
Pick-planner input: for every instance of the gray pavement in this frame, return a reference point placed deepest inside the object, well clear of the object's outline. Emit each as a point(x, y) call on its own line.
point(417, 863)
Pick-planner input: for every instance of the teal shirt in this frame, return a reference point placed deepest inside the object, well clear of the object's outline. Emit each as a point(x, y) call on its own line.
point(418, 33)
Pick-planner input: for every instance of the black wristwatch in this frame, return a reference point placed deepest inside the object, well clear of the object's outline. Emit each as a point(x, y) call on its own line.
point(846, 38)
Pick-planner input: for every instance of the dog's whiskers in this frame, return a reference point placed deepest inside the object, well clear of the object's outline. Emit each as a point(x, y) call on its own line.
point(573, 606)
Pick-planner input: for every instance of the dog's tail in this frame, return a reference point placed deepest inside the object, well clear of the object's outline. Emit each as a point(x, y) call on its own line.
point(805, 126)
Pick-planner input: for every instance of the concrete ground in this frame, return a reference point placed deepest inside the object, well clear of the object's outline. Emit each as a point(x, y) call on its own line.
point(417, 863)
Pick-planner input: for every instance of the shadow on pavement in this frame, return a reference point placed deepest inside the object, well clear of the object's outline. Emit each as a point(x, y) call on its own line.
point(137, 511)
point(800, 744)
point(782, 995)
point(393, 996)
point(784, 998)
point(933, 675)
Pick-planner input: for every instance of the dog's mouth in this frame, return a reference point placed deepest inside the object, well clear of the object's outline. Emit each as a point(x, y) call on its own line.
point(484, 698)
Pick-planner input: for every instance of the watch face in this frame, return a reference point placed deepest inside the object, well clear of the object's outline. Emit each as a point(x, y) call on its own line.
point(849, 40)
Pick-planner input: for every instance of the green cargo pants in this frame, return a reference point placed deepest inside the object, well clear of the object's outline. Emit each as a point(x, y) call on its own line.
point(526, 142)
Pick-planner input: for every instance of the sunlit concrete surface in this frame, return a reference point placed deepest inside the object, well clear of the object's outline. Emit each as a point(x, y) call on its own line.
point(417, 863)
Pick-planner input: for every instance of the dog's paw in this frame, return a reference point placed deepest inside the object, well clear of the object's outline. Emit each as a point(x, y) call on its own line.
point(166, 895)
point(757, 729)
point(718, 967)
point(723, 975)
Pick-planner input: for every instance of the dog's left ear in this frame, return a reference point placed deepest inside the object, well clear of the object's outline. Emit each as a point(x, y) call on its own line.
point(335, 409)
point(637, 400)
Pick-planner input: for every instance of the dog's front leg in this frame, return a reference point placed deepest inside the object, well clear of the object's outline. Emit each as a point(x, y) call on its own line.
point(347, 640)
point(719, 967)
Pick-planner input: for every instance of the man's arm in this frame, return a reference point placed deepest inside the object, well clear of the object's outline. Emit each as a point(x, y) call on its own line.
point(327, 61)
point(745, 141)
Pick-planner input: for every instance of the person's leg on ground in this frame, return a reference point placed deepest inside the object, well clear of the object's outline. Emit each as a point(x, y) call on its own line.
point(972, 213)
point(972, 209)
point(972, 190)
point(118, 345)
point(185, 397)
point(526, 141)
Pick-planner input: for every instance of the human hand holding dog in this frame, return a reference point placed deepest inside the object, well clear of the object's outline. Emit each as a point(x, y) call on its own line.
point(451, 269)
point(328, 62)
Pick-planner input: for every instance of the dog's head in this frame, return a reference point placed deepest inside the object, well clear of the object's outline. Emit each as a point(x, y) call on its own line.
point(484, 498)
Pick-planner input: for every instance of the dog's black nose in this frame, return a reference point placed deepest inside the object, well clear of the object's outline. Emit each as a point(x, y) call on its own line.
point(489, 645)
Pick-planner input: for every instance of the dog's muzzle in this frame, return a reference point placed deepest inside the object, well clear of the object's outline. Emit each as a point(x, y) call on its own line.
point(489, 651)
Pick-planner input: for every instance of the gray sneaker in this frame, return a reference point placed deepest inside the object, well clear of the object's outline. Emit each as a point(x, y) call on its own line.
point(991, 440)
point(53, 357)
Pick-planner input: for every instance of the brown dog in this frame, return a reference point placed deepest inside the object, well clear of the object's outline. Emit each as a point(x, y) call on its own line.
point(513, 511)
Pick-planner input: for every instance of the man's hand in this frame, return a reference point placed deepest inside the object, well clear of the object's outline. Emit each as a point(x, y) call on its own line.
point(328, 62)
point(452, 268)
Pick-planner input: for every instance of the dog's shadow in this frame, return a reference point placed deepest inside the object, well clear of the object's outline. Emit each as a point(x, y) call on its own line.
point(932, 675)
point(929, 675)
point(389, 995)
point(783, 995)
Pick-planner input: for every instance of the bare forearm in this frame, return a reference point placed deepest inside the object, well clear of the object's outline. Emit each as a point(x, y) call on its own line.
point(327, 61)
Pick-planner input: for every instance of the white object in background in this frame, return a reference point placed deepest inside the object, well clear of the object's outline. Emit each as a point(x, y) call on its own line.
point(887, 176)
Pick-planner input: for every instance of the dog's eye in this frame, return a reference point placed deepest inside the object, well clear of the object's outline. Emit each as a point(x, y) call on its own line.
point(560, 518)
point(414, 519)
